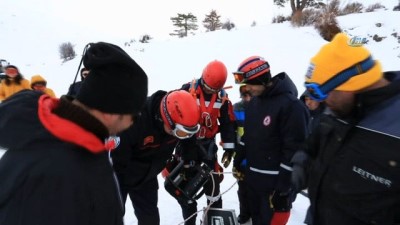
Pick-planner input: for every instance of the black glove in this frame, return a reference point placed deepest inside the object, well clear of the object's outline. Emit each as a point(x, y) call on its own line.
point(227, 157)
point(237, 173)
point(281, 202)
point(299, 178)
point(239, 156)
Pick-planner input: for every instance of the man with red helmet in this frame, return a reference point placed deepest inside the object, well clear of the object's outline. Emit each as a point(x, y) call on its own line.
point(216, 117)
point(148, 144)
point(275, 128)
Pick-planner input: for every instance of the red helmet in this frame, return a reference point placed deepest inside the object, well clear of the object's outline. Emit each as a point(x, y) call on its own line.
point(251, 68)
point(180, 112)
point(214, 76)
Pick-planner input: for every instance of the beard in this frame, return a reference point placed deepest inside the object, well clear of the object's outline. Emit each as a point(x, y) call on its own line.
point(343, 111)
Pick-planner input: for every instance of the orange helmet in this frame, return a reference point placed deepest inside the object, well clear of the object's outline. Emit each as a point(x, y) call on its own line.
point(181, 114)
point(252, 68)
point(214, 76)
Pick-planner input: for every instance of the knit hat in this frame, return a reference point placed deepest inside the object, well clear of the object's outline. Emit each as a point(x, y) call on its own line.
point(342, 54)
point(117, 84)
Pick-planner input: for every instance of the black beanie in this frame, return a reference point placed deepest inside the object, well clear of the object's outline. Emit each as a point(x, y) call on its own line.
point(116, 83)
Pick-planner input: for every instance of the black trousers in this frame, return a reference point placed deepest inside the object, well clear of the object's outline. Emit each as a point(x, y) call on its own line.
point(144, 202)
point(244, 209)
point(260, 207)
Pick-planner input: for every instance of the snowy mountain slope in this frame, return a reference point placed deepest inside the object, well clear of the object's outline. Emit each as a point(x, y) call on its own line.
point(170, 63)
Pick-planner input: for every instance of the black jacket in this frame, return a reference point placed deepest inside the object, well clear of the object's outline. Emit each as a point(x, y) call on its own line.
point(53, 172)
point(356, 162)
point(145, 147)
point(74, 88)
point(276, 126)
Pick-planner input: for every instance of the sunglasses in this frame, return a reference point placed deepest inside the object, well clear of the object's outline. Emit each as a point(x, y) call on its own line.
point(243, 77)
point(11, 71)
point(319, 92)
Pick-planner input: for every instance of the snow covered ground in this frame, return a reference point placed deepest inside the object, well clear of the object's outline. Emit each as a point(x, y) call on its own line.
point(170, 63)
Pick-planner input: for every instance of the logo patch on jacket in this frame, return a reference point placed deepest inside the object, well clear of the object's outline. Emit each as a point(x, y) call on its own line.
point(148, 140)
point(267, 120)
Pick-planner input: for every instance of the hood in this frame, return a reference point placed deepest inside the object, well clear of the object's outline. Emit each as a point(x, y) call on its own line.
point(153, 107)
point(19, 118)
point(29, 114)
point(37, 78)
point(373, 98)
point(281, 84)
point(303, 96)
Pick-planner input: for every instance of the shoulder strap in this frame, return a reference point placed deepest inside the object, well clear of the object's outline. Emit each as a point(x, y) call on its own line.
point(222, 94)
point(193, 86)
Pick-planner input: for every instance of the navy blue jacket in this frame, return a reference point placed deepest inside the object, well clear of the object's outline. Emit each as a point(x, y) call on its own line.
point(356, 162)
point(276, 126)
point(74, 88)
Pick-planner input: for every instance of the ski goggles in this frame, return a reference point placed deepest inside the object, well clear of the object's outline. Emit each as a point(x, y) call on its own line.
point(319, 92)
point(178, 130)
point(11, 71)
point(243, 77)
point(183, 132)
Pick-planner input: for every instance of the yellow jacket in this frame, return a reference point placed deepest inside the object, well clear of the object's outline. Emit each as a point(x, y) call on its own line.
point(8, 90)
point(38, 78)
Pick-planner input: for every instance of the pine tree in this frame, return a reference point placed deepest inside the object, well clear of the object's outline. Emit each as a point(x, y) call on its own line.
point(185, 23)
point(212, 21)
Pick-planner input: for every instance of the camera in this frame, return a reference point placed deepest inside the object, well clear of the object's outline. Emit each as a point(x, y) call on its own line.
point(184, 184)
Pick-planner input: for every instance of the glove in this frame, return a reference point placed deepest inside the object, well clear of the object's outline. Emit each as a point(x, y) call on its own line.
point(280, 201)
point(239, 156)
point(237, 173)
point(227, 157)
point(299, 178)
